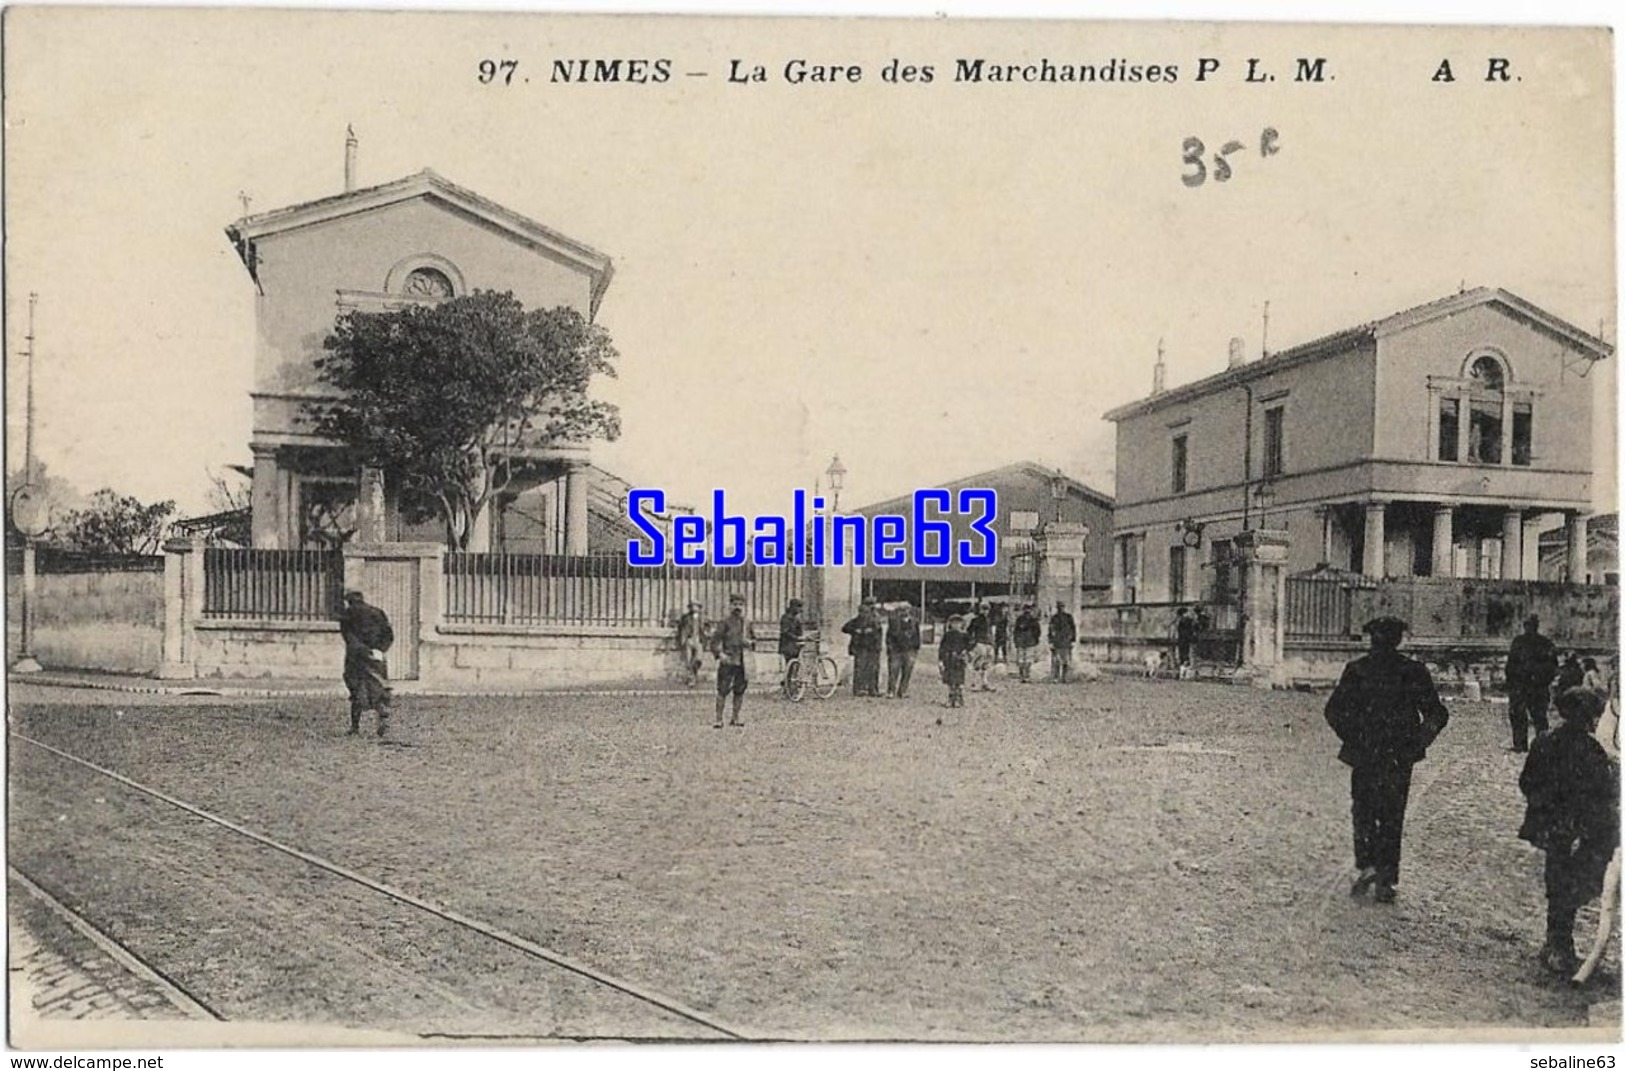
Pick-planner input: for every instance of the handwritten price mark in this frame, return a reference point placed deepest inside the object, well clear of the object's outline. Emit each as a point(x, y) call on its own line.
point(1197, 161)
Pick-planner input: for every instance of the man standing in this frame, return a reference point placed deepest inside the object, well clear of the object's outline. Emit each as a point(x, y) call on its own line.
point(865, 631)
point(1027, 632)
point(690, 641)
point(791, 631)
point(1531, 665)
point(980, 631)
point(999, 614)
point(1063, 633)
point(902, 648)
point(730, 639)
point(1186, 628)
point(367, 635)
point(1386, 712)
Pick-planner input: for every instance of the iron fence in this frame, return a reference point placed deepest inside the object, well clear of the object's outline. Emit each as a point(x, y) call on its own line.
point(274, 585)
point(605, 589)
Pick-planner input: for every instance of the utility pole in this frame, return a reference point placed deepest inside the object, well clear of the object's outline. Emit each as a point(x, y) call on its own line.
point(27, 515)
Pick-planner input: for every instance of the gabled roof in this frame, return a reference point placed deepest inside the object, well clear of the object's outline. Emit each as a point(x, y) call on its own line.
point(992, 476)
point(425, 183)
point(1587, 345)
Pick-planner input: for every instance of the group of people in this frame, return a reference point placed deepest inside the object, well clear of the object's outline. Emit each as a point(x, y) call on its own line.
point(1386, 712)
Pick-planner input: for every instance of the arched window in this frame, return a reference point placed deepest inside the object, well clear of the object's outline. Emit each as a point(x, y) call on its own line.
point(1487, 374)
point(427, 283)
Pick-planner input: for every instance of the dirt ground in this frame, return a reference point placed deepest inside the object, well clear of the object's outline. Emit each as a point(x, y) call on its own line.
point(1122, 860)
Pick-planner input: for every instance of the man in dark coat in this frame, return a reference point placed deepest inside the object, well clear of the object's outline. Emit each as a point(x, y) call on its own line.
point(1186, 629)
point(367, 636)
point(1027, 632)
point(999, 614)
point(902, 648)
point(792, 629)
point(731, 640)
point(1573, 816)
point(1531, 665)
point(1386, 712)
point(1063, 633)
point(865, 630)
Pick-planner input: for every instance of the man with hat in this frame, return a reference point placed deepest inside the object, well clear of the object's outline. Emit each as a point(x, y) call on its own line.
point(730, 639)
point(1531, 665)
point(792, 631)
point(865, 630)
point(902, 648)
point(1573, 816)
point(1386, 712)
point(690, 641)
point(367, 635)
point(1028, 631)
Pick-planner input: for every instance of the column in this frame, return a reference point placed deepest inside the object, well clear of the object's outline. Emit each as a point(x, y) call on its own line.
point(265, 499)
point(1444, 540)
point(1119, 571)
point(1325, 515)
point(1376, 537)
point(576, 483)
point(1263, 555)
point(1512, 545)
point(1577, 565)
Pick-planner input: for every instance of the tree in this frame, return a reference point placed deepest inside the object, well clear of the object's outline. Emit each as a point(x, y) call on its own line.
point(117, 524)
point(445, 398)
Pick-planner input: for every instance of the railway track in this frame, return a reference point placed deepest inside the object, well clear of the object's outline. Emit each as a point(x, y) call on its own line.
point(516, 942)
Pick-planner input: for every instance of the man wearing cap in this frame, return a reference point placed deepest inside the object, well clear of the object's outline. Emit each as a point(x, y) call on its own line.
point(1386, 712)
point(902, 648)
point(1063, 633)
point(730, 639)
point(367, 635)
point(792, 630)
point(690, 641)
point(865, 631)
point(1531, 665)
point(1027, 633)
point(1573, 816)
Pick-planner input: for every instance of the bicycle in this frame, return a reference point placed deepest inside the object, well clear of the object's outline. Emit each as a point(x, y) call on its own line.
point(810, 671)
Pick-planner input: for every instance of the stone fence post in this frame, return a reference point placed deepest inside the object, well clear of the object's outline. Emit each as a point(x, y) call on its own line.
point(183, 607)
point(1263, 554)
point(1060, 547)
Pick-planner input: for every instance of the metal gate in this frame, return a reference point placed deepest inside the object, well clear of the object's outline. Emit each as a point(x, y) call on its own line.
point(391, 585)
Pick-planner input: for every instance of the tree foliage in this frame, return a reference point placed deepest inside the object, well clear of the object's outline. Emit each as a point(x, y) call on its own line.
point(444, 397)
point(112, 523)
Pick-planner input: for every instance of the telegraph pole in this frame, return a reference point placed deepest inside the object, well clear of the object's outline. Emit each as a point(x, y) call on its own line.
point(27, 514)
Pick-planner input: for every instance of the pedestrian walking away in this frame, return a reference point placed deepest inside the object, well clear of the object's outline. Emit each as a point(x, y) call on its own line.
point(865, 630)
point(1531, 665)
point(902, 648)
point(1186, 628)
point(953, 655)
point(1063, 633)
point(690, 642)
point(999, 615)
point(1572, 791)
point(1387, 712)
point(367, 638)
point(730, 639)
point(1027, 632)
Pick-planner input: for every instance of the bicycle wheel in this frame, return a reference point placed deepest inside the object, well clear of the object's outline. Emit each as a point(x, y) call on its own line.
point(795, 681)
point(828, 678)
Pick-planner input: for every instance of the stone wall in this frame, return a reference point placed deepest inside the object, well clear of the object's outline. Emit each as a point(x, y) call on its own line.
point(303, 650)
point(111, 621)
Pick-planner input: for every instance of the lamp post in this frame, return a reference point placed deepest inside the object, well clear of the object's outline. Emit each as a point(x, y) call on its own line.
point(28, 515)
point(1057, 491)
point(837, 478)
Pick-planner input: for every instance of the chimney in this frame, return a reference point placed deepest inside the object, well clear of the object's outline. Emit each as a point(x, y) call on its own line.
point(1159, 372)
point(350, 144)
point(1238, 353)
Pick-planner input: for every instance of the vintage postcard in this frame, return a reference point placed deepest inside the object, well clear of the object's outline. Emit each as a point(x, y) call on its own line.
point(527, 528)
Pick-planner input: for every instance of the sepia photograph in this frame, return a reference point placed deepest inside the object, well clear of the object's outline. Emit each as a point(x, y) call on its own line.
point(534, 528)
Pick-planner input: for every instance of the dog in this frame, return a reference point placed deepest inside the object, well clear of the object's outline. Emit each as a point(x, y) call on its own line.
point(1153, 662)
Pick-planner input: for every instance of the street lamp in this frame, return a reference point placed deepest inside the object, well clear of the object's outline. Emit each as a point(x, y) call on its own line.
point(837, 477)
point(1057, 491)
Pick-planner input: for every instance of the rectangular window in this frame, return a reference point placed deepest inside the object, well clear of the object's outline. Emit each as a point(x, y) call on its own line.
point(1179, 464)
point(1449, 429)
point(1484, 431)
point(1176, 574)
point(1274, 442)
point(1523, 417)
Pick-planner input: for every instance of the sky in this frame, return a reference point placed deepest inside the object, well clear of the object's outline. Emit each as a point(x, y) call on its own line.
point(929, 280)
